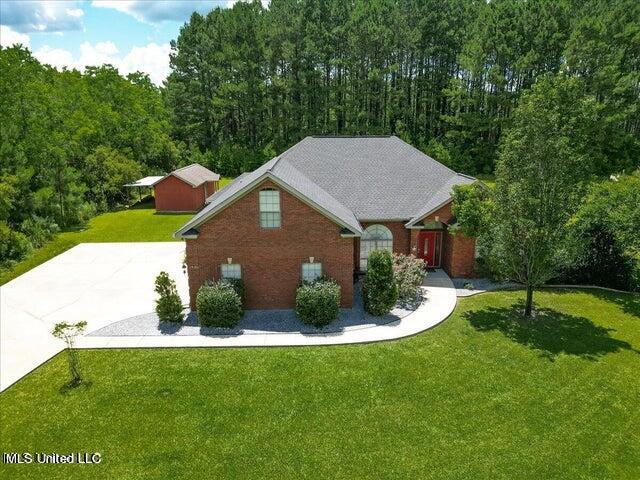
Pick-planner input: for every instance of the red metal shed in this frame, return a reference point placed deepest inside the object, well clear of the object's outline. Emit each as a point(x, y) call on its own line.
point(185, 189)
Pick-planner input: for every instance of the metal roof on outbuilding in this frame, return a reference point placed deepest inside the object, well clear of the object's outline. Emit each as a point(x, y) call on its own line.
point(145, 182)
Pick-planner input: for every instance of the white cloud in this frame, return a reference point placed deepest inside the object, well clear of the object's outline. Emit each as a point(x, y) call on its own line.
point(10, 37)
point(152, 59)
point(56, 57)
point(156, 11)
point(75, 12)
point(41, 16)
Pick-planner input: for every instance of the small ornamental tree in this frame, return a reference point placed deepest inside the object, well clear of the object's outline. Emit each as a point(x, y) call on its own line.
point(379, 291)
point(408, 274)
point(68, 332)
point(218, 305)
point(168, 305)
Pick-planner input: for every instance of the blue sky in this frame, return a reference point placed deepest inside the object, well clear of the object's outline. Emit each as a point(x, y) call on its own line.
point(132, 35)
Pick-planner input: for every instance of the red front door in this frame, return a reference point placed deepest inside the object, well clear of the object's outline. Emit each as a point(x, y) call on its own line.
point(430, 247)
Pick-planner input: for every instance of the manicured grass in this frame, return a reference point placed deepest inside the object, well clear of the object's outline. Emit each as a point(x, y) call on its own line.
point(484, 395)
point(487, 178)
point(224, 181)
point(131, 225)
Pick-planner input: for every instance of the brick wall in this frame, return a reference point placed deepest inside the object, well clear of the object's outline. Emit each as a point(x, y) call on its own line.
point(174, 195)
point(459, 256)
point(271, 259)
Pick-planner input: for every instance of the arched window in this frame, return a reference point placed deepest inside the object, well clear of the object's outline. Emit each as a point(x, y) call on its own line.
point(375, 237)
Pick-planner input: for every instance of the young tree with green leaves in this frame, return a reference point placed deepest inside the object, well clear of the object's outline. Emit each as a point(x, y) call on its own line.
point(69, 332)
point(538, 178)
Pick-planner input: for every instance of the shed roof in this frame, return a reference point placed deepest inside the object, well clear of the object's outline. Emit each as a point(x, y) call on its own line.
point(194, 174)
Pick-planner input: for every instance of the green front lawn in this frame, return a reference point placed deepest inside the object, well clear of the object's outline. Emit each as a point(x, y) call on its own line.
point(131, 225)
point(140, 223)
point(484, 395)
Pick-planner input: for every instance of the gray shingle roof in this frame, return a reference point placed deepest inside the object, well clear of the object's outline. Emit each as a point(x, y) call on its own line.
point(441, 196)
point(195, 174)
point(351, 179)
point(378, 178)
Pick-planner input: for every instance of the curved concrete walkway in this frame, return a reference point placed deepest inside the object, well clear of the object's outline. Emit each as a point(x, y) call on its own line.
point(440, 300)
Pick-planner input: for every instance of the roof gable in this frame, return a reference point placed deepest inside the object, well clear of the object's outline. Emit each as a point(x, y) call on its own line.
point(440, 198)
point(286, 177)
point(194, 174)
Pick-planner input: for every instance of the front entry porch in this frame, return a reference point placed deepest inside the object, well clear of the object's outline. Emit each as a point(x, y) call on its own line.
point(429, 240)
point(429, 247)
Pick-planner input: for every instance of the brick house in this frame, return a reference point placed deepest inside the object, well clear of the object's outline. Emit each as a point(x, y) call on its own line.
point(185, 189)
point(320, 208)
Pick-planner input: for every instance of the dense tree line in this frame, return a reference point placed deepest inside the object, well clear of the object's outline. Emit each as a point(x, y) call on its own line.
point(444, 75)
point(68, 142)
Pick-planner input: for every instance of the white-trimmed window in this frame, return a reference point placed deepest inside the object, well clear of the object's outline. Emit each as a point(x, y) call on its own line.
point(269, 208)
point(311, 271)
point(230, 270)
point(375, 237)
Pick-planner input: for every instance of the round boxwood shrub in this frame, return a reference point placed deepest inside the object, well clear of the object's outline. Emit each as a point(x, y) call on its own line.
point(168, 304)
point(238, 286)
point(318, 303)
point(379, 291)
point(218, 305)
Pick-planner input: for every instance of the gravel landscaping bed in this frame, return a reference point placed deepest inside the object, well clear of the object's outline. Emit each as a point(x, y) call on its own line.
point(255, 322)
point(479, 285)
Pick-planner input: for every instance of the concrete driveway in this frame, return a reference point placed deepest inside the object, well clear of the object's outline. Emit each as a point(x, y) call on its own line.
point(97, 282)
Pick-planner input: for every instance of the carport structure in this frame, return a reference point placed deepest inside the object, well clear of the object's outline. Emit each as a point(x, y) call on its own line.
point(146, 182)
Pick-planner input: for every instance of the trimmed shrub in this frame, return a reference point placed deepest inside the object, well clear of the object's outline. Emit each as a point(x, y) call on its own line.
point(408, 273)
point(238, 286)
point(379, 291)
point(218, 305)
point(168, 305)
point(318, 303)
